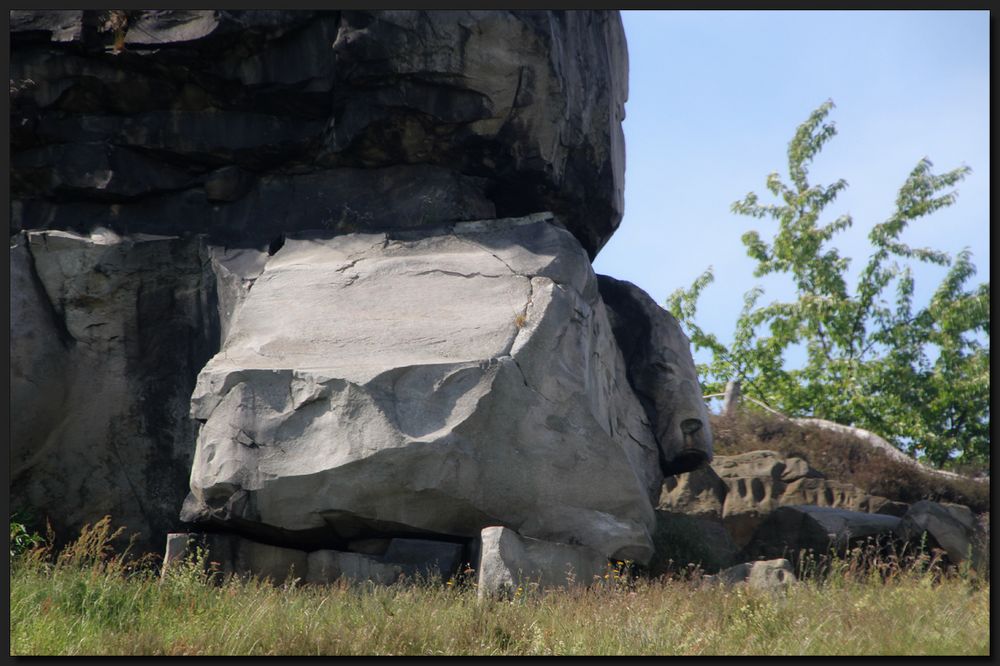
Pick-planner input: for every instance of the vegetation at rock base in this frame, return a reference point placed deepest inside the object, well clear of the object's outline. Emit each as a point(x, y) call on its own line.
point(917, 376)
point(88, 600)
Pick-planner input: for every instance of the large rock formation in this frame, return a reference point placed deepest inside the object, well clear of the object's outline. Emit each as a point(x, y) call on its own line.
point(368, 235)
point(248, 124)
point(742, 490)
point(373, 384)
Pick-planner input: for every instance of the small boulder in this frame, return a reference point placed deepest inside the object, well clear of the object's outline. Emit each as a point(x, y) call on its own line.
point(950, 526)
point(763, 575)
point(508, 560)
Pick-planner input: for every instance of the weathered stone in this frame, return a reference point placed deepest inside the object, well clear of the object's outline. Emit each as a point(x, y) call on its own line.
point(763, 575)
point(96, 168)
point(544, 116)
point(697, 493)
point(528, 103)
point(178, 547)
point(433, 384)
point(233, 555)
point(790, 529)
point(333, 201)
point(328, 566)
point(950, 526)
point(662, 373)
point(369, 546)
point(424, 558)
point(227, 184)
point(763, 463)
point(682, 539)
point(509, 560)
point(58, 25)
point(758, 482)
point(107, 336)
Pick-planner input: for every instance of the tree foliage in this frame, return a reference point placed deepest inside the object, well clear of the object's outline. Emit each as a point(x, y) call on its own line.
point(918, 376)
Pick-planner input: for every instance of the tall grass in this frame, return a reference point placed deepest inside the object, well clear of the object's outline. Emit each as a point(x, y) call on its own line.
point(89, 601)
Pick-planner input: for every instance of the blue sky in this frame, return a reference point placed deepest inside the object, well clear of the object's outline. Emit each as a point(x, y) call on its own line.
point(715, 96)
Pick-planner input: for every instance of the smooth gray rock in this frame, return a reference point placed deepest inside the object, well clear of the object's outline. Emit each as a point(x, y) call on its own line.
point(662, 373)
point(508, 561)
point(107, 336)
point(373, 385)
point(178, 547)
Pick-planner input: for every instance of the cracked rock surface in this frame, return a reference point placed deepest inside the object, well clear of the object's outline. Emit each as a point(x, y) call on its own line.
point(373, 384)
point(243, 124)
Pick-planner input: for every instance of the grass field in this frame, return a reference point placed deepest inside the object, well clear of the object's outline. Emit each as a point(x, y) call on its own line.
point(89, 601)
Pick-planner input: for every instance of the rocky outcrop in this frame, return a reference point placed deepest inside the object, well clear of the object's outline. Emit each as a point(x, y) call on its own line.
point(107, 336)
point(435, 383)
point(508, 562)
point(332, 219)
point(742, 490)
point(660, 368)
point(246, 124)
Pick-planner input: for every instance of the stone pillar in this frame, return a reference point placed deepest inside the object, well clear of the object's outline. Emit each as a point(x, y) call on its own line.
point(731, 400)
point(177, 548)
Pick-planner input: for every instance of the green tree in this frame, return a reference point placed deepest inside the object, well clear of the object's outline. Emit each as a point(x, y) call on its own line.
point(919, 377)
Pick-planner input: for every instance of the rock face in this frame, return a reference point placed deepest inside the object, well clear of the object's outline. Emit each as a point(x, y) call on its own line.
point(682, 539)
point(743, 489)
point(246, 124)
point(107, 336)
point(375, 384)
point(660, 368)
point(951, 527)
